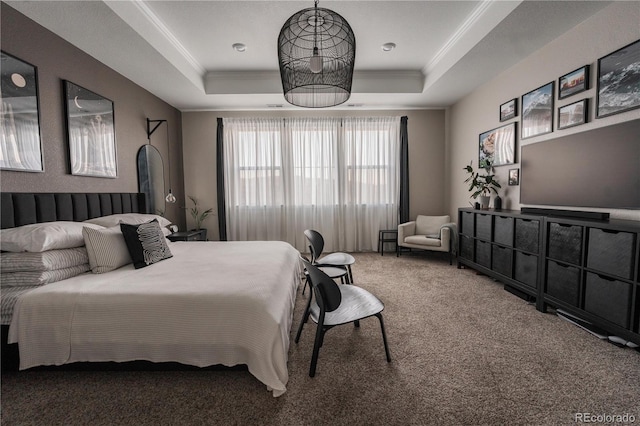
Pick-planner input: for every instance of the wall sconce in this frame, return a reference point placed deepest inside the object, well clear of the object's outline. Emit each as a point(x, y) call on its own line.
point(170, 198)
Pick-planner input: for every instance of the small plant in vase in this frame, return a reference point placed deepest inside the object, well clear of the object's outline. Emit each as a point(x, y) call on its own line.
point(197, 215)
point(481, 185)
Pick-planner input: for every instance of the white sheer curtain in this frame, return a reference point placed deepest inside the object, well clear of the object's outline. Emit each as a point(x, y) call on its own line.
point(338, 176)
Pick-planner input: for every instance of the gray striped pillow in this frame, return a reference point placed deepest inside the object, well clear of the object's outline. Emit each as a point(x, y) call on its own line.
point(49, 260)
point(16, 279)
point(106, 248)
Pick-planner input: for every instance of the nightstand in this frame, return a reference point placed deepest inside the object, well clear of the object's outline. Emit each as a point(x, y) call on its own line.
point(387, 236)
point(193, 235)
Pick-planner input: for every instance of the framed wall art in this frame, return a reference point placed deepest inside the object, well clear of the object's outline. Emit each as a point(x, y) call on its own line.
point(497, 146)
point(574, 82)
point(619, 81)
point(21, 144)
point(514, 177)
point(573, 114)
point(508, 110)
point(90, 132)
point(537, 111)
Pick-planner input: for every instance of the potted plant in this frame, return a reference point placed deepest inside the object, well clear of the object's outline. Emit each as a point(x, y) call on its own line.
point(197, 215)
point(481, 185)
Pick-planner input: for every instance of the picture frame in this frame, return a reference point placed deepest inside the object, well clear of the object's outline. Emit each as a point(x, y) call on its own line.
point(21, 140)
point(514, 177)
point(574, 82)
point(537, 111)
point(573, 114)
point(497, 147)
point(617, 72)
point(90, 132)
point(509, 110)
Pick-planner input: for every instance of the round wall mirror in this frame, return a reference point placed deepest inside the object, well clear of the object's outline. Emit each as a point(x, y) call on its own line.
point(151, 178)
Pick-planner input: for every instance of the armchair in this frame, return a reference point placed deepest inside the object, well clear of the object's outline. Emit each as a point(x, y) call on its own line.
point(433, 233)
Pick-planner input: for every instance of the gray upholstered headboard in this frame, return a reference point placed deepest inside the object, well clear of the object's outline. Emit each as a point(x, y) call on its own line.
point(23, 208)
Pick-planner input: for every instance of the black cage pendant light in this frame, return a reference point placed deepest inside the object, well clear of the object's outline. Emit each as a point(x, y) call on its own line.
point(316, 51)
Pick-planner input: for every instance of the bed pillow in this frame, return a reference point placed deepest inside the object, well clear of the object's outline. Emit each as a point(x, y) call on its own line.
point(39, 237)
point(106, 249)
point(146, 243)
point(131, 218)
point(44, 261)
point(17, 279)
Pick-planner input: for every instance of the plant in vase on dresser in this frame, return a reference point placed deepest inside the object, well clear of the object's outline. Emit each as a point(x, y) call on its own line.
point(481, 185)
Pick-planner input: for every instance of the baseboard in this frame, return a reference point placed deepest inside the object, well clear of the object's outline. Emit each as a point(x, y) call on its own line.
point(565, 213)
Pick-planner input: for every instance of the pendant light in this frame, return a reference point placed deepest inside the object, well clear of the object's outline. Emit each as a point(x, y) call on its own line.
point(316, 54)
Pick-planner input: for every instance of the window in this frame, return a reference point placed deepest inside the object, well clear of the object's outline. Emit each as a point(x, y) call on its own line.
point(338, 176)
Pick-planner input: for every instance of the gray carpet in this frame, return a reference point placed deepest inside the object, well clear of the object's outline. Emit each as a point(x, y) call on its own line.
point(464, 351)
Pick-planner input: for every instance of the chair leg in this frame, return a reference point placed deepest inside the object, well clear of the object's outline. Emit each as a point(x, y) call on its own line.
point(356, 324)
point(305, 318)
point(349, 275)
point(384, 337)
point(306, 282)
point(316, 349)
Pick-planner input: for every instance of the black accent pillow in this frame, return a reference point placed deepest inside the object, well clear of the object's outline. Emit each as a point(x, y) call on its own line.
point(146, 243)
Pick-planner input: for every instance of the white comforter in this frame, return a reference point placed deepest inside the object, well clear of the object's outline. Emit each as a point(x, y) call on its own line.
point(212, 303)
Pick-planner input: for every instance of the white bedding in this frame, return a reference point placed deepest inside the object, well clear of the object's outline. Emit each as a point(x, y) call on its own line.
point(212, 303)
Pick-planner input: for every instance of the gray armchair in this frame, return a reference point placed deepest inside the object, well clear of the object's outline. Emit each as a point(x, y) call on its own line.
point(433, 233)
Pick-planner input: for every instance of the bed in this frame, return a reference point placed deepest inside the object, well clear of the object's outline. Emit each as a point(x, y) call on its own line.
point(208, 303)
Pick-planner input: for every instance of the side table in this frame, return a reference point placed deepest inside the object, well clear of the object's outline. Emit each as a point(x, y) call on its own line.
point(193, 235)
point(387, 236)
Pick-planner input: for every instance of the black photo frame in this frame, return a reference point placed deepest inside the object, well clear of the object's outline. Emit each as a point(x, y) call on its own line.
point(91, 133)
point(537, 111)
point(509, 110)
point(617, 72)
point(573, 82)
point(21, 141)
point(497, 147)
point(573, 114)
point(514, 177)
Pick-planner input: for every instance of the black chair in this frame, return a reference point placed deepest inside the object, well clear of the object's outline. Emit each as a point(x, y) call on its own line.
point(333, 272)
point(338, 259)
point(331, 305)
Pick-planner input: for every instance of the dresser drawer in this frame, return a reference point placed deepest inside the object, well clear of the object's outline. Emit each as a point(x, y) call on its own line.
point(565, 243)
point(501, 260)
point(608, 298)
point(503, 230)
point(526, 269)
point(483, 253)
point(466, 247)
point(611, 252)
point(563, 282)
point(527, 234)
point(466, 225)
point(483, 226)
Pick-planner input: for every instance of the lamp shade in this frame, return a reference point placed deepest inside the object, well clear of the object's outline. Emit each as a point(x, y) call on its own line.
point(316, 52)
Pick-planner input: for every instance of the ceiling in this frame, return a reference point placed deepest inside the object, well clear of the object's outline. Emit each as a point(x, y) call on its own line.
point(181, 50)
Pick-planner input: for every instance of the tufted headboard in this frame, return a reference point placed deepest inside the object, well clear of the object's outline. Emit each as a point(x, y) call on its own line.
point(23, 208)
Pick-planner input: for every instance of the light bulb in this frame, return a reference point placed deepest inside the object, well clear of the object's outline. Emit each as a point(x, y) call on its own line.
point(315, 63)
point(170, 198)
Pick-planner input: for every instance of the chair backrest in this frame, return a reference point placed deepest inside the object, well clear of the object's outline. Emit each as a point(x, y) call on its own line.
point(316, 243)
point(328, 296)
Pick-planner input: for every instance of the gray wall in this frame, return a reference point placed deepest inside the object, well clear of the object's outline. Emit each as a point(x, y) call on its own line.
point(614, 27)
point(426, 130)
point(58, 60)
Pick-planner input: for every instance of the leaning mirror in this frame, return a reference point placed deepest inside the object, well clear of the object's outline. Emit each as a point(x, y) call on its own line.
point(151, 178)
point(20, 146)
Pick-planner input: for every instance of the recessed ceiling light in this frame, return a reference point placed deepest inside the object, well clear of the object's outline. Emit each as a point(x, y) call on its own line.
point(387, 47)
point(239, 47)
